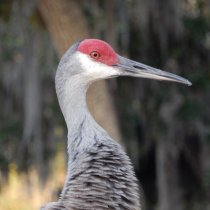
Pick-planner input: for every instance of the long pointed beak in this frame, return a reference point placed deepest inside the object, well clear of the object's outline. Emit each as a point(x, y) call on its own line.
point(136, 69)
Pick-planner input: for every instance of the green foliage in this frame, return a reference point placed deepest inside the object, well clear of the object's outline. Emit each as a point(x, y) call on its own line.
point(197, 27)
point(36, 21)
point(206, 178)
point(201, 80)
point(12, 129)
point(11, 46)
point(190, 110)
point(208, 138)
point(5, 9)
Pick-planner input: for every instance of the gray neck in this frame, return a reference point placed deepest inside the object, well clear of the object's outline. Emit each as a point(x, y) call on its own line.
point(72, 99)
point(97, 164)
point(73, 103)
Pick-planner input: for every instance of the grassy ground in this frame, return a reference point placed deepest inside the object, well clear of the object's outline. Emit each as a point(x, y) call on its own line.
point(24, 192)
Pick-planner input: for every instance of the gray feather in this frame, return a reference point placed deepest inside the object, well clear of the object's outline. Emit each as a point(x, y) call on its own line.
point(100, 175)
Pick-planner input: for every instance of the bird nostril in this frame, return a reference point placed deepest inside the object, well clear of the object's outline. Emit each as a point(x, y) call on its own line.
point(138, 67)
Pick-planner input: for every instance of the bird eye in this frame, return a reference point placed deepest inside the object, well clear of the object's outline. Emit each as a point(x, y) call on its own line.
point(95, 54)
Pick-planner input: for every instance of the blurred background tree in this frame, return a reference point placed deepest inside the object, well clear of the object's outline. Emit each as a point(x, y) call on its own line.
point(164, 127)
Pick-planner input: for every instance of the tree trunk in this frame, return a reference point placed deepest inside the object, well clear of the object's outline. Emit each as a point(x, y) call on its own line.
point(26, 84)
point(167, 156)
point(161, 22)
point(32, 132)
point(162, 25)
point(169, 194)
point(66, 24)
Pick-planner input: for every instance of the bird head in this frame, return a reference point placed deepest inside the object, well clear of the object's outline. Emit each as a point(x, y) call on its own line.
point(94, 59)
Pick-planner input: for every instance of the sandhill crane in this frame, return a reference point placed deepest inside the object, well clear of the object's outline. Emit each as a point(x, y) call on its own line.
point(100, 175)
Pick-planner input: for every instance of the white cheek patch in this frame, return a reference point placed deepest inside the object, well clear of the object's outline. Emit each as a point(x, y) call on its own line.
point(94, 69)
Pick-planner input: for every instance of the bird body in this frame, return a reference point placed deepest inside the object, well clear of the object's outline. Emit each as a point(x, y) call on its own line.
point(100, 175)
